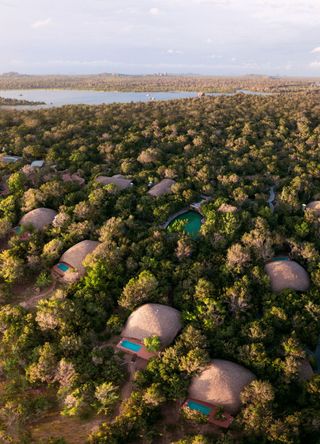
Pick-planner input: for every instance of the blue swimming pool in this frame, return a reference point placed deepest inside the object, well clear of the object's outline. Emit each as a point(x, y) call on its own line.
point(63, 267)
point(132, 346)
point(276, 259)
point(18, 230)
point(204, 409)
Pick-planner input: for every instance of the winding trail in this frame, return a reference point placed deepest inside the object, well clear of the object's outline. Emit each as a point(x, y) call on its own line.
point(32, 302)
point(272, 196)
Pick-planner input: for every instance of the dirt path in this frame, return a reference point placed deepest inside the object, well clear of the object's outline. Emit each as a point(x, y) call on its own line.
point(125, 393)
point(72, 429)
point(32, 302)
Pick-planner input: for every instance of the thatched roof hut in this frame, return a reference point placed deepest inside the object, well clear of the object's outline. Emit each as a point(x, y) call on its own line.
point(10, 159)
point(287, 274)
point(38, 218)
point(77, 254)
point(163, 187)
point(67, 177)
point(227, 208)
point(220, 384)
point(314, 206)
point(37, 164)
point(305, 371)
point(118, 180)
point(153, 320)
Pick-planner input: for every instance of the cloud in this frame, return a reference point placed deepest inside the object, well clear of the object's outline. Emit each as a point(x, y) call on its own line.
point(315, 64)
point(212, 2)
point(214, 56)
point(315, 50)
point(174, 51)
point(154, 11)
point(63, 62)
point(41, 23)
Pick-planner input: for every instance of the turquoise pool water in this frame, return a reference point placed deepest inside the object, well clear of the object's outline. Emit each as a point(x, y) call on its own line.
point(204, 409)
point(18, 230)
point(193, 222)
point(63, 267)
point(276, 259)
point(132, 346)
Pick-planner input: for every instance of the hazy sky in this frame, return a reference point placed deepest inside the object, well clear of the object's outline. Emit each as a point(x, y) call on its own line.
point(147, 36)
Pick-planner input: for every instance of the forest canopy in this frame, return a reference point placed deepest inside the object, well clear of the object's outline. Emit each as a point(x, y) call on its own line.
point(226, 154)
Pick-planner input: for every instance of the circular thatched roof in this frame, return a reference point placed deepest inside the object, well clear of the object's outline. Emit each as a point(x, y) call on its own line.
point(163, 187)
point(315, 207)
point(305, 370)
point(220, 384)
point(118, 180)
point(153, 319)
point(287, 274)
point(77, 254)
point(38, 218)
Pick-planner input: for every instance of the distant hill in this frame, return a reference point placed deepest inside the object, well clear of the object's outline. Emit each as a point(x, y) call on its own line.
point(13, 74)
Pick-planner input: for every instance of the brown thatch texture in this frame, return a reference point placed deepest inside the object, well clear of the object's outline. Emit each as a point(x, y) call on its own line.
point(120, 181)
point(67, 177)
point(153, 319)
point(226, 208)
point(162, 187)
point(305, 370)
point(77, 254)
point(315, 207)
point(38, 218)
point(221, 384)
point(287, 274)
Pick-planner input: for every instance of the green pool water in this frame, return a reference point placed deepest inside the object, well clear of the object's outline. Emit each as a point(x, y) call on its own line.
point(63, 267)
point(193, 222)
point(204, 409)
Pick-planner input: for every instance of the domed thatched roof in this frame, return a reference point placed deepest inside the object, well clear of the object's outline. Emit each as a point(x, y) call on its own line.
point(315, 207)
point(287, 274)
point(163, 187)
point(120, 181)
point(305, 370)
point(153, 319)
point(77, 254)
point(220, 384)
point(38, 218)
point(67, 177)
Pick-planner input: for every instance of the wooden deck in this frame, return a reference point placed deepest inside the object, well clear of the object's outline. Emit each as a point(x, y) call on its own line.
point(143, 353)
point(58, 272)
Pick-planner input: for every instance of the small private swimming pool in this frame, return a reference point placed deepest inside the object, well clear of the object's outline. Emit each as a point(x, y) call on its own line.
point(132, 346)
point(63, 267)
point(277, 259)
point(204, 409)
point(193, 222)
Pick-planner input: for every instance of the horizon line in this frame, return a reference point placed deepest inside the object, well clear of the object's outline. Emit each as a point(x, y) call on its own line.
point(157, 74)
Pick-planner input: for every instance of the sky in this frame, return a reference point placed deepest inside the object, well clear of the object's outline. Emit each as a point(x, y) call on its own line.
point(216, 37)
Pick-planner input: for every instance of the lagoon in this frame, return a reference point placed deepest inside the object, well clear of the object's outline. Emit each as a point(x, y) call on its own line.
point(60, 97)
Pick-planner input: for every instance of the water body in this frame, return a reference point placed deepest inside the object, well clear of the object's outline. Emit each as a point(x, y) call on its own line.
point(253, 93)
point(60, 97)
point(272, 196)
point(192, 220)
